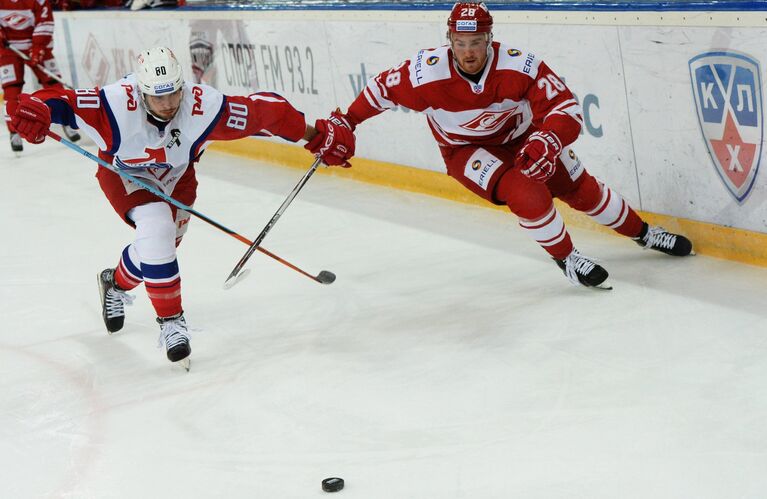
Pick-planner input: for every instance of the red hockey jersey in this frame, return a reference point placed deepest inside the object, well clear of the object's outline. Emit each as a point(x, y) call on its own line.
point(516, 91)
point(27, 23)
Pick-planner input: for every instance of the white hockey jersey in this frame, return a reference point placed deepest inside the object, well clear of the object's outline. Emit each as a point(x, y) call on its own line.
point(115, 118)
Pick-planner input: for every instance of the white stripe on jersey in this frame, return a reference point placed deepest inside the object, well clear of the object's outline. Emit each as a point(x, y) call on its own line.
point(569, 108)
point(379, 95)
point(447, 140)
point(266, 98)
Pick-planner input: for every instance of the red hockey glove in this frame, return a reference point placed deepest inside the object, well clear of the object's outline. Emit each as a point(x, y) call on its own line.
point(334, 142)
point(37, 55)
point(338, 118)
point(31, 118)
point(3, 38)
point(538, 157)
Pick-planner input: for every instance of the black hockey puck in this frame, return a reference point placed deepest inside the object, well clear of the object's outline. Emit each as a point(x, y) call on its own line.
point(332, 484)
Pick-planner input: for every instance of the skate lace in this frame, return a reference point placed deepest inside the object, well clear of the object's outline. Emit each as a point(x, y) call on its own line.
point(577, 263)
point(115, 302)
point(173, 332)
point(658, 237)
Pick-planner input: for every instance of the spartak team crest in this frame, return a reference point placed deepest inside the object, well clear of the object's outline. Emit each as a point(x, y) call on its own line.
point(728, 98)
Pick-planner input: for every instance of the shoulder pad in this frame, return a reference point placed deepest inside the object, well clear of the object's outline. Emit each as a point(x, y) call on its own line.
point(429, 65)
point(202, 91)
point(518, 60)
point(118, 88)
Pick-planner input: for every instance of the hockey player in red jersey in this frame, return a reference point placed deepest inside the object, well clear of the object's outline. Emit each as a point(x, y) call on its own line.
point(504, 123)
point(156, 126)
point(27, 26)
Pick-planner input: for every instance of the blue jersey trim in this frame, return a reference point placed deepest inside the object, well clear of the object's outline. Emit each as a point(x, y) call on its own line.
point(116, 141)
point(61, 113)
point(193, 150)
point(129, 264)
point(160, 271)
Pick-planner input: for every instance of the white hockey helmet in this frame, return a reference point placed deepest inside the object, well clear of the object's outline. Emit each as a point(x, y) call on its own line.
point(158, 72)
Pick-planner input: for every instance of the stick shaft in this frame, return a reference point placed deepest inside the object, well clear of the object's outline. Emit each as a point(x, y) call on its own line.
point(174, 202)
point(45, 70)
point(284, 206)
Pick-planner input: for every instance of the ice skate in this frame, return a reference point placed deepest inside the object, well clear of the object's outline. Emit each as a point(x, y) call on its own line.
point(17, 145)
point(660, 239)
point(582, 270)
point(113, 301)
point(71, 134)
point(175, 336)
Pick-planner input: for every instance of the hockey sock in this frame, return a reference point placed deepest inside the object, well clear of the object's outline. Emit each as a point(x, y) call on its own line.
point(128, 274)
point(614, 212)
point(163, 285)
point(528, 199)
point(605, 206)
point(550, 232)
point(11, 97)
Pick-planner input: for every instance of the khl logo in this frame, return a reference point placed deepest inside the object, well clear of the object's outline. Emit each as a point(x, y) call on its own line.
point(728, 97)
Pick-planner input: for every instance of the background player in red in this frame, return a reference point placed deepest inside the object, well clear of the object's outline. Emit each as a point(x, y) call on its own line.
point(157, 126)
point(26, 25)
point(504, 121)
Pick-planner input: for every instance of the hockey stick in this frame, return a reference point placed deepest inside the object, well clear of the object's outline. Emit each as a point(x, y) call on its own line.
point(236, 275)
point(324, 277)
point(26, 59)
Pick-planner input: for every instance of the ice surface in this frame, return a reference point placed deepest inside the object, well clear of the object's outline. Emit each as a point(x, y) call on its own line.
point(451, 358)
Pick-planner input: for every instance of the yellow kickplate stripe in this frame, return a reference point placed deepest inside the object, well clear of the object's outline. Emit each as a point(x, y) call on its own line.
point(708, 239)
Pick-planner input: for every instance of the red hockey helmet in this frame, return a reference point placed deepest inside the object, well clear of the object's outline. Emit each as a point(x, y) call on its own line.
point(469, 17)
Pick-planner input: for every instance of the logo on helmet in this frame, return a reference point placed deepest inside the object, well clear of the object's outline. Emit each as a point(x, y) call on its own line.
point(470, 17)
point(163, 88)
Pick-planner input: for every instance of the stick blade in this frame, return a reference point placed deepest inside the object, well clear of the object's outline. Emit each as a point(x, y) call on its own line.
point(326, 277)
point(232, 280)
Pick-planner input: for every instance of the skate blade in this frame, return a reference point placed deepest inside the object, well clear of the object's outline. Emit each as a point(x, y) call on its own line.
point(234, 280)
point(605, 286)
point(185, 363)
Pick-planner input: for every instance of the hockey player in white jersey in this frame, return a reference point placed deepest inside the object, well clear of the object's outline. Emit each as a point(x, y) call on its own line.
point(504, 123)
point(157, 126)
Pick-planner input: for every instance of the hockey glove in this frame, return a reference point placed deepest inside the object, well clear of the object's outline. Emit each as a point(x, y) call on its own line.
point(3, 38)
point(339, 118)
point(37, 54)
point(538, 157)
point(31, 118)
point(334, 142)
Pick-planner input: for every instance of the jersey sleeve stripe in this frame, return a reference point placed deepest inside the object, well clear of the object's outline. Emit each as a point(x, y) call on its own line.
point(372, 101)
point(268, 97)
point(379, 100)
